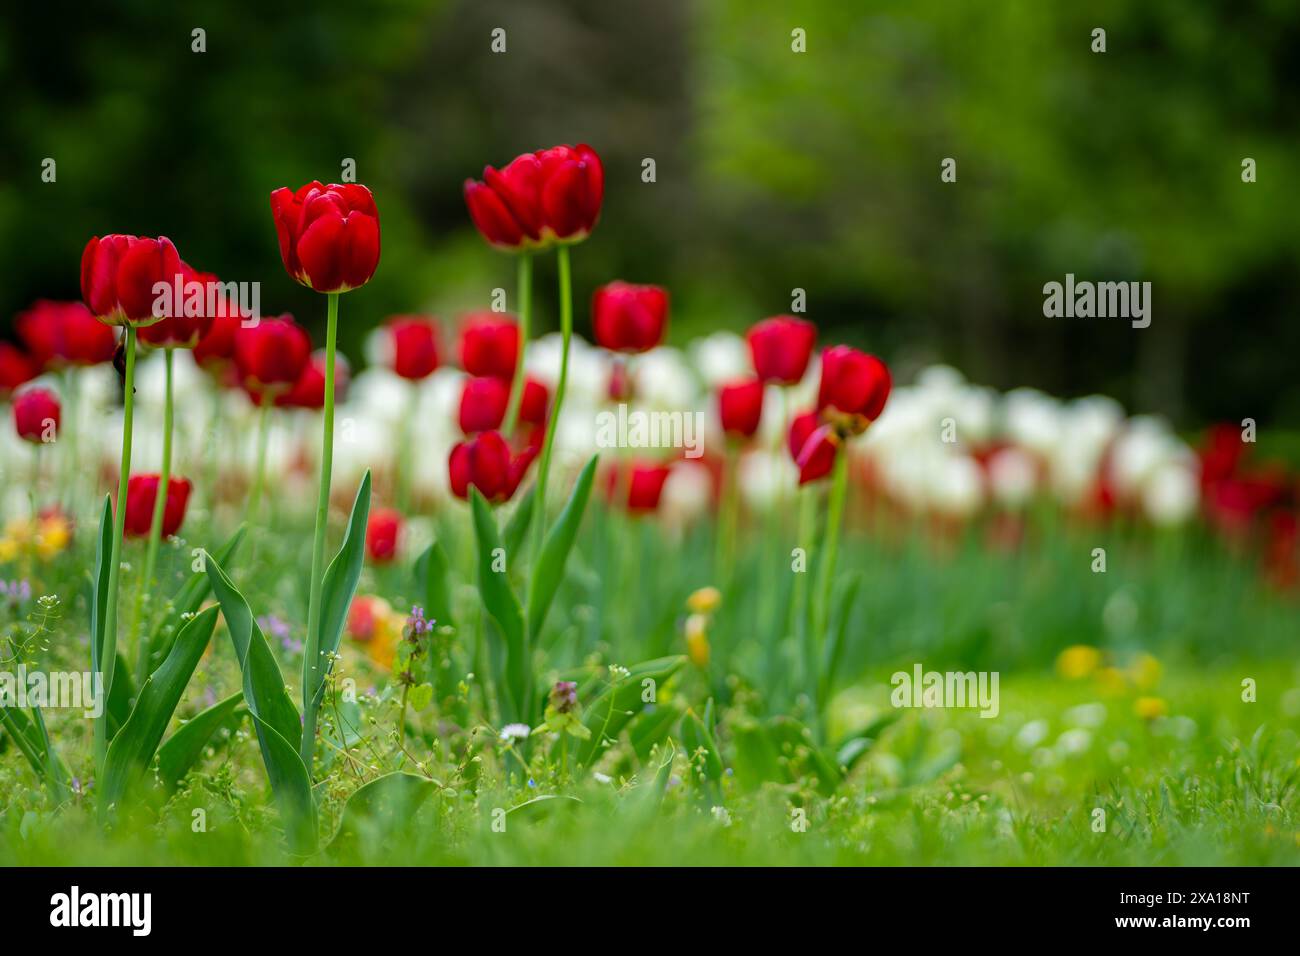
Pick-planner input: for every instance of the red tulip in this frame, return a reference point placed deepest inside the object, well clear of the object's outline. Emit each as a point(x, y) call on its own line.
point(487, 463)
point(118, 275)
point(414, 346)
point(629, 318)
point(853, 384)
point(813, 446)
point(363, 616)
point(216, 349)
point(309, 390)
point(642, 482)
point(65, 333)
point(740, 407)
point(552, 195)
point(781, 347)
point(142, 493)
point(36, 415)
point(483, 403)
point(489, 345)
point(15, 368)
point(329, 235)
point(382, 531)
point(196, 301)
point(271, 355)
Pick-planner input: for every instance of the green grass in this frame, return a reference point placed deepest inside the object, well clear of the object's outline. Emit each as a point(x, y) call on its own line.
point(1212, 782)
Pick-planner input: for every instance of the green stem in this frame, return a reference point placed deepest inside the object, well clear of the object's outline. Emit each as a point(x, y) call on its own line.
point(730, 508)
point(799, 599)
point(108, 656)
point(311, 657)
point(566, 333)
point(259, 474)
point(69, 435)
point(155, 528)
point(525, 293)
point(826, 569)
point(213, 442)
point(404, 450)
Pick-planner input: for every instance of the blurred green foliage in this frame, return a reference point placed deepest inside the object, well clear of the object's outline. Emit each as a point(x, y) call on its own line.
point(775, 169)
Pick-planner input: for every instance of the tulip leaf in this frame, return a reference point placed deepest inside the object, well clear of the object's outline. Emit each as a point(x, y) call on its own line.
point(701, 747)
point(652, 727)
point(504, 608)
point(133, 747)
point(31, 738)
point(834, 649)
point(538, 808)
point(56, 773)
point(376, 812)
point(780, 750)
point(20, 728)
point(618, 703)
point(431, 569)
point(548, 567)
point(99, 585)
point(337, 589)
point(517, 526)
point(183, 748)
point(120, 696)
point(275, 718)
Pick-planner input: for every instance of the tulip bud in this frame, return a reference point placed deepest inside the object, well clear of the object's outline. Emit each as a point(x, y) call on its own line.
point(487, 463)
point(382, 533)
point(813, 447)
point(539, 199)
point(641, 482)
point(329, 235)
point(412, 346)
point(188, 321)
point(36, 415)
point(58, 334)
point(854, 387)
point(271, 355)
point(781, 347)
point(629, 318)
point(141, 495)
point(489, 345)
point(740, 408)
point(309, 390)
point(483, 403)
point(118, 275)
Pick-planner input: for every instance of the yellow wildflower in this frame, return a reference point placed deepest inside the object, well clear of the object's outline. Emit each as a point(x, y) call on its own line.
point(1078, 661)
point(697, 640)
point(52, 535)
point(704, 601)
point(1149, 708)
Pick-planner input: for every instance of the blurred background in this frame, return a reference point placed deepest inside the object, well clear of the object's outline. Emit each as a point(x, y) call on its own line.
point(774, 169)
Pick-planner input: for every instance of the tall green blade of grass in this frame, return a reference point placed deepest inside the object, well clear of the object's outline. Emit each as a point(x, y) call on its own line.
point(548, 568)
point(505, 610)
point(279, 732)
point(134, 745)
point(337, 589)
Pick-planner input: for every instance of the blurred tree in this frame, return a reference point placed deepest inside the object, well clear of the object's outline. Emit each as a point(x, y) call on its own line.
point(774, 169)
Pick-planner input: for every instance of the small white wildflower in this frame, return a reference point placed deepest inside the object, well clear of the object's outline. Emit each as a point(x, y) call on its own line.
point(515, 732)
